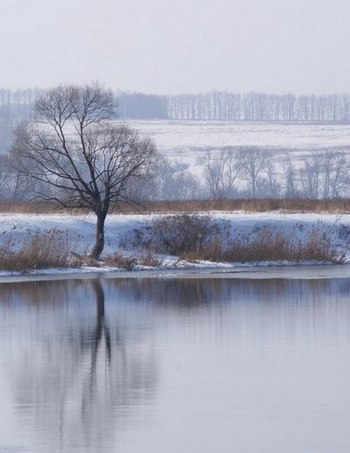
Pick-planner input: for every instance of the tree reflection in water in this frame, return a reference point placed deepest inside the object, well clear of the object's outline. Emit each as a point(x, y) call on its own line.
point(81, 356)
point(76, 380)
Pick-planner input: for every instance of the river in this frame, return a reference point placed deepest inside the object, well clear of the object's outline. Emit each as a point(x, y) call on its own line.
point(255, 362)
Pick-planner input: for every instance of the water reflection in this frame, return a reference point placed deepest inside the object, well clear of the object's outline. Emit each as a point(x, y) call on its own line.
point(191, 292)
point(75, 379)
point(122, 364)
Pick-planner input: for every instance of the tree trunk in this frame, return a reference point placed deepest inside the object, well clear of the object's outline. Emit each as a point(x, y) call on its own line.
point(100, 235)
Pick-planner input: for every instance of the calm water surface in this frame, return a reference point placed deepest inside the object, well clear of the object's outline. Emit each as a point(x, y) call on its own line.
point(175, 366)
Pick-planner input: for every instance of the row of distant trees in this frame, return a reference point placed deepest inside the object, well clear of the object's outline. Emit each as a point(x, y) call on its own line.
point(227, 173)
point(215, 105)
point(218, 105)
point(16, 105)
point(220, 175)
point(256, 173)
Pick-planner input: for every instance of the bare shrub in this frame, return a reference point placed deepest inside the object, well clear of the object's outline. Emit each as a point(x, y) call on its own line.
point(182, 233)
point(39, 251)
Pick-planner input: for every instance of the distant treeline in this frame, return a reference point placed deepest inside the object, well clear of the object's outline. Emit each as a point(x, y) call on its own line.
point(142, 106)
point(219, 105)
point(15, 105)
point(216, 105)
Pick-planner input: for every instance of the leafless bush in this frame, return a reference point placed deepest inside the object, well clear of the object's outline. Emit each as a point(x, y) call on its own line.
point(182, 233)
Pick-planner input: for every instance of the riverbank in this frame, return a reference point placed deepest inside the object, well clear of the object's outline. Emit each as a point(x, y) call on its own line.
point(127, 237)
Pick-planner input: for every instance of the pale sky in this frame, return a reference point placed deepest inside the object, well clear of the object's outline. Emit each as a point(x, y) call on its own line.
point(177, 46)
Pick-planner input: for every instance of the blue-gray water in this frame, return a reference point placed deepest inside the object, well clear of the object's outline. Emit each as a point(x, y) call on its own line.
point(175, 365)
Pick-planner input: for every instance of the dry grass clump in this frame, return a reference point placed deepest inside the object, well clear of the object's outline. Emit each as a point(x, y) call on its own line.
point(121, 261)
point(41, 250)
point(128, 263)
point(270, 245)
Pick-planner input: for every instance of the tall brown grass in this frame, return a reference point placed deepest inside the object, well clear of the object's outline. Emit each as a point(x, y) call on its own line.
point(254, 205)
point(193, 237)
point(190, 206)
point(271, 245)
point(41, 250)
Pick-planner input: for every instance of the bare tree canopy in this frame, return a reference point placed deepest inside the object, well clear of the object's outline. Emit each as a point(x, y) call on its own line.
point(221, 173)
point(72, 149)
point(253, 162)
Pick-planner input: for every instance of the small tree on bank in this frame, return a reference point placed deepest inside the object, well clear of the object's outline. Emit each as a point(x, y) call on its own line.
point(79, 158)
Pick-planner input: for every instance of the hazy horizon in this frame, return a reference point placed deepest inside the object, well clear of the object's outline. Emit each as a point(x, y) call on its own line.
point(152, 46)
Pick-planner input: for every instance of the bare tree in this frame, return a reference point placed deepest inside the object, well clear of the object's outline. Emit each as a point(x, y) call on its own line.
point(5, 178)
point(335, 178)
point(272, 182)
point(87, 161)
point(252, 163)
point(175, 182)
point(289, 175)
point(221, 173)
point(310, 176)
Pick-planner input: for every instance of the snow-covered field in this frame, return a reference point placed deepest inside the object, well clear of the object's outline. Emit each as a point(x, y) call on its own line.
point(120, 228)
point(191, 135)
point(188, 142)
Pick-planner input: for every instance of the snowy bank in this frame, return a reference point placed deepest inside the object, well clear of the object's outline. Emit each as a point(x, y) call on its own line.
point(121, 230)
